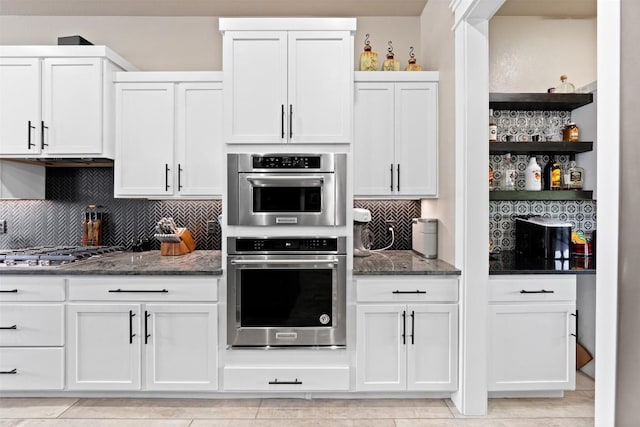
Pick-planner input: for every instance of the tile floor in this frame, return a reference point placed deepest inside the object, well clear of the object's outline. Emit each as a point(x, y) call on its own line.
point(574, 410)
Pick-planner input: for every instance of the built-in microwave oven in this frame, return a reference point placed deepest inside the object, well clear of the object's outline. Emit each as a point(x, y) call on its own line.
point(286, 189)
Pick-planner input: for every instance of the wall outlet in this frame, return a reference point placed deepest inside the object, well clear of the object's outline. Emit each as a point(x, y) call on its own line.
point(3, 226)
point(211, 226)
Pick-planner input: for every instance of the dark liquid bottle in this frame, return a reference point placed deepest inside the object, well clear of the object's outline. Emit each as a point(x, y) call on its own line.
point(552, 175)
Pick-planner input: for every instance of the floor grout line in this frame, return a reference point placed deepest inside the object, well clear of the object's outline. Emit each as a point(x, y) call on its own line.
point(71, 406)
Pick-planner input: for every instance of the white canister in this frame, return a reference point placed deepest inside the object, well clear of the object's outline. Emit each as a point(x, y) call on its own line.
point(532, 175)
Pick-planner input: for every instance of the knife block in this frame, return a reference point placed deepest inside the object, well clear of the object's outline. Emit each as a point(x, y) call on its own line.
point(186, 245)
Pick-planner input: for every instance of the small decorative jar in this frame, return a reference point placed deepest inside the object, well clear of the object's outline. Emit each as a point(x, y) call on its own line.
point(571, 133)
point(368, 59)
point(412, 66)
point(390, 64)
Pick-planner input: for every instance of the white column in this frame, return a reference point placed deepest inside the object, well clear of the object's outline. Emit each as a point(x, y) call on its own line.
point(472, 196)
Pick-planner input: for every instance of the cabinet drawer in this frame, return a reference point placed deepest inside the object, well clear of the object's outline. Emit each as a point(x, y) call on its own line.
point(286, 379)
point(143, 289)
point(24, 325)
point(528, 288)
point(31, 288)
point(409, 290)
point(31, 368)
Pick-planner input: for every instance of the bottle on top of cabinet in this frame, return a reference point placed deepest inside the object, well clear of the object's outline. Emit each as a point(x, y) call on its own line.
point(493, 128)
point(532, 176)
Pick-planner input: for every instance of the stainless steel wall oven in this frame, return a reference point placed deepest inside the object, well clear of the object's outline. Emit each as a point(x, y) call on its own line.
point(286, 291)
point(285, 189)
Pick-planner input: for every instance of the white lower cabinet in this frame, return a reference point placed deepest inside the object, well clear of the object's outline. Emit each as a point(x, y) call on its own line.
point(531, 333)
point(31, 333)
point(407, 346)
point(149, 342)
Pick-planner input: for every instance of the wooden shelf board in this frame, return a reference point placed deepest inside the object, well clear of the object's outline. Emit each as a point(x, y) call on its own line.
point(541, 195)
point(539, 101)
point(541, 147)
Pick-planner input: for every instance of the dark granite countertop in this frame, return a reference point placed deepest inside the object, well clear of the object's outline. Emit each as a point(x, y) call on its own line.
point(134, 263)
point(400, 262)
point(507, 262)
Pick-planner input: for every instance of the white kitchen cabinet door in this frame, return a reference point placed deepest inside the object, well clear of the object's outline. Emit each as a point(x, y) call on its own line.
point(199, 139)
point(531, 347)
point(20, 102)
point(432, 347)
point(181, 346)
point(255, 78)
point(416, 139)
point(72, 106)
point(144, 139)
point(373, 143)
point(381, 348)
point(320, 80)
point(103, 346)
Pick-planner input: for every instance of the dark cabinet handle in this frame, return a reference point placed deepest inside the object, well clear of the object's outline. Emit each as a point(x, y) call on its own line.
point(131, 334)
point(9, 327)
point(398, 170)
point(541, 291)
point(409, 292)
point(166, 177)
point(13, 371)
point(15, 291)
point(391, 175)
point(140, 291)
point(404, 327)
point(290, 120)
point(29, 143)
point(282, 122)
point(42, 128)
point(146, 334)
point(573, 335)
point(413, 326)
point(179, 177)
point(275, 381)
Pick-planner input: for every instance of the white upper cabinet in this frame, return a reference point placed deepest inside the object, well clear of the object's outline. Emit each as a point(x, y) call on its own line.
point(283, 85)
point(396, 134)
point(57, 101)
point(174, 122)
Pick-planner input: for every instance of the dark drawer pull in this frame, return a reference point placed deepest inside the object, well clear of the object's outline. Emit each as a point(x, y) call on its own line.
point(542, 291)
point(162, 291)
point(13, 371)
point(9, 327)
point(294, 382)
point(15, 291)
point(409, 292)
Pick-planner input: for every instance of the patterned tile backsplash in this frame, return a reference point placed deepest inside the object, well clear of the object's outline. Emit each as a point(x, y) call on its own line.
point(520, 126)
point(57, 220)
point(401, 211)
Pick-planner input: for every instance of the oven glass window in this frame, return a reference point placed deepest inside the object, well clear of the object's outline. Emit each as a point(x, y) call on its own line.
point(287, 199)
point(282, 297)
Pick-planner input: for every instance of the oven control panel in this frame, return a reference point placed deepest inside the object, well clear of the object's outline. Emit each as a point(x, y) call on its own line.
point(286, 162)
point(304, 244)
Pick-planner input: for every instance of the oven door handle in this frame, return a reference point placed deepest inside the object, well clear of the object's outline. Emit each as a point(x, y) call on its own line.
point(297, 180)
point(283, 261)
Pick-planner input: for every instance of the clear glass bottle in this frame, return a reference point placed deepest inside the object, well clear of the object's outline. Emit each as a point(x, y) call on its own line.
point(565, 86)
point(576, 176)
point(509, 173)
point(571, 132)
point(493, 128)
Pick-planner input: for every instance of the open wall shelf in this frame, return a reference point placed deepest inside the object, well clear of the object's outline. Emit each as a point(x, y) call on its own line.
point(539, 101)
point(540, 147)
point(541, 195)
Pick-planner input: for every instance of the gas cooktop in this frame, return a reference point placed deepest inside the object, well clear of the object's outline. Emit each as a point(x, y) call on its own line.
point(51, 256)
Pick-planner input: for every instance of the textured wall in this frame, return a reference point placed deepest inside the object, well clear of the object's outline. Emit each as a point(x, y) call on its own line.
point(529, 53)
point(57, 220)
point(438, 52)
point(401, 211)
